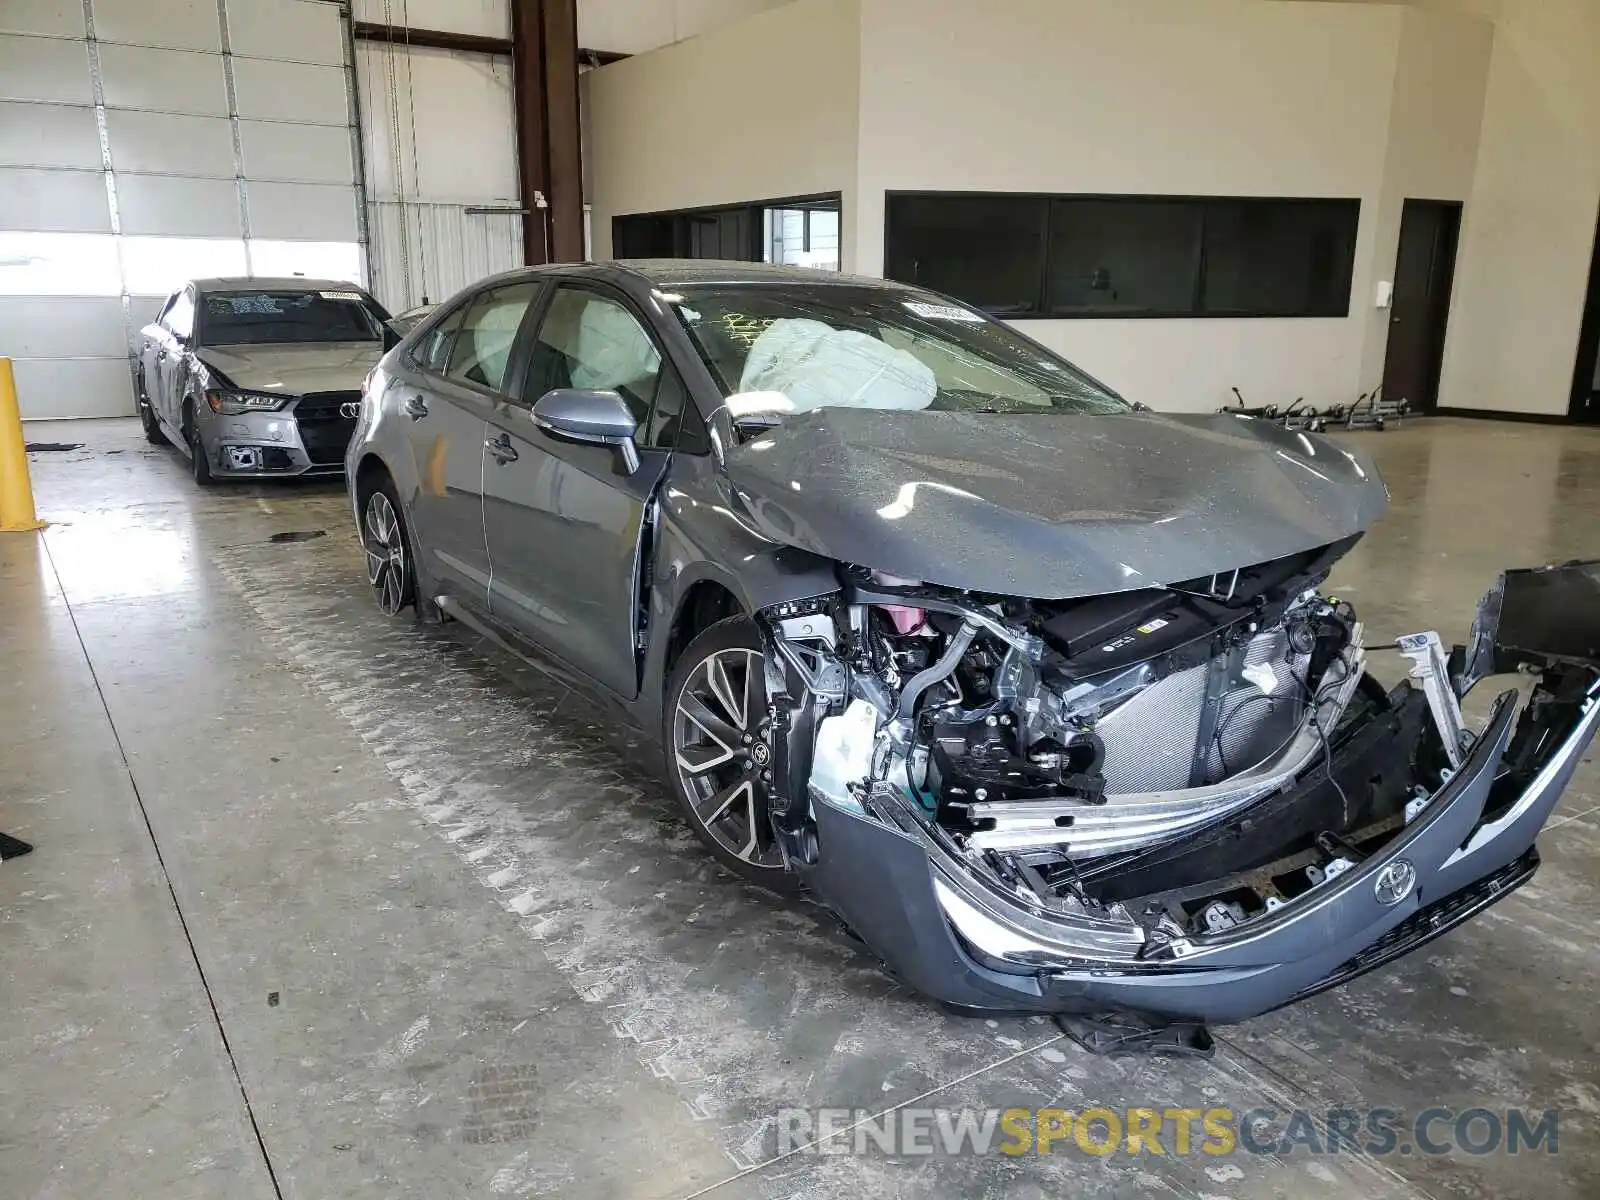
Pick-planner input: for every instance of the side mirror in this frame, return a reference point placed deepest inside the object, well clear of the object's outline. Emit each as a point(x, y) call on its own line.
point(599, 418)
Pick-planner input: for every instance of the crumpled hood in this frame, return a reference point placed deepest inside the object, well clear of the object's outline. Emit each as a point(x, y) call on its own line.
point(1050, 507)
point(294, 369)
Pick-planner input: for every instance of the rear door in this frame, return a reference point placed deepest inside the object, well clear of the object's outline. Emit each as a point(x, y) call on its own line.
point(459, 370)
point(564, 520)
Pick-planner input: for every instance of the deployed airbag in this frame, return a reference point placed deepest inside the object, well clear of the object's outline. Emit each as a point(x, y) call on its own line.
point(817, 366)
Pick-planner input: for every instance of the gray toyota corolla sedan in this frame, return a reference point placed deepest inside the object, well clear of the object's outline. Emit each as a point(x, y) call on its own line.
point(1034, 688)
point(259, 377)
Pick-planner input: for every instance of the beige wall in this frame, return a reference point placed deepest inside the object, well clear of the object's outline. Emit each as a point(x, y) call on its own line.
point(1529, 226)
point(1436, 111)
point(760, 109)
point(1228, 97)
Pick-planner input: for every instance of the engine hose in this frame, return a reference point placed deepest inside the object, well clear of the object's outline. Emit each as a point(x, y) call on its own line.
point(925, 679)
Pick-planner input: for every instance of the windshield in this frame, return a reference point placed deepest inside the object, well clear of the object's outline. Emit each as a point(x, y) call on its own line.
point(254, 318)
point(789, 348)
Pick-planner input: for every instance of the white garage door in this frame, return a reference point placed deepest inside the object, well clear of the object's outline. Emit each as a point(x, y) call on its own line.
point(144, 142)
point(441, 164)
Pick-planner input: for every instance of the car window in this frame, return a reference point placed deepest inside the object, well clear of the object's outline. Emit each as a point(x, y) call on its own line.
point(803, 346)
point(590, 341)
point(180, 317)
point(259, 318)
point(482, 348)
point(161, 317)
point(432, 352)
point(674, 423)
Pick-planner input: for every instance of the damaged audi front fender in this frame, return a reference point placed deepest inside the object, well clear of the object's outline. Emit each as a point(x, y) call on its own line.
point(1189, 804)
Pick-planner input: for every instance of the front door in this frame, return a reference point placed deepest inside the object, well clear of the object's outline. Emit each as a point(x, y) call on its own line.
point(1424, 271)
point(445, 401)
point(565, 520)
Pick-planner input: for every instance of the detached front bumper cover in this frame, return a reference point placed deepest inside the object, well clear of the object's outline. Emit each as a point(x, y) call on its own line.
point(1462, 848)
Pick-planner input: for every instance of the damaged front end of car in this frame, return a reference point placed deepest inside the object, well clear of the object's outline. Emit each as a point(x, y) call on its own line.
point(1191, 802)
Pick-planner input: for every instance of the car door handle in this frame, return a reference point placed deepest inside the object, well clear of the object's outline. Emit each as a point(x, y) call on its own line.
point(415, 407)
point(501, 448)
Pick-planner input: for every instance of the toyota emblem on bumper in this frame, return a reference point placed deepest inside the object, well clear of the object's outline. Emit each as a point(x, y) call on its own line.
point(1394, 882)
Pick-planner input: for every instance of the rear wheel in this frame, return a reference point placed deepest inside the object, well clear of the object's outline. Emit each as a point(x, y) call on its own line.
point(390, 571)
point(718, 748)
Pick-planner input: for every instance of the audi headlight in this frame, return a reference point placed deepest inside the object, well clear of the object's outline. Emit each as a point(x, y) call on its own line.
point(231, 404)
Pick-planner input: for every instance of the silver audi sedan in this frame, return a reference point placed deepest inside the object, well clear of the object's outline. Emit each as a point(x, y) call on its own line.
point(257, 378)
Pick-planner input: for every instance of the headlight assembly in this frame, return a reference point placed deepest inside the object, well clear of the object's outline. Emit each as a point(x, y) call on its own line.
point(231, 404)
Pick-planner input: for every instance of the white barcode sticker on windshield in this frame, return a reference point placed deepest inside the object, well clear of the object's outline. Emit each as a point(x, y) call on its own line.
point(356, 296)
point(942, 312)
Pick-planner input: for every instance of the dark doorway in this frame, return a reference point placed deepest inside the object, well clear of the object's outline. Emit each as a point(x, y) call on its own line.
point(1420, 307)
point(1585, 407)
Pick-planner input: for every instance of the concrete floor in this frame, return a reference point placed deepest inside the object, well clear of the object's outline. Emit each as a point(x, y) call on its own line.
point(331, 906)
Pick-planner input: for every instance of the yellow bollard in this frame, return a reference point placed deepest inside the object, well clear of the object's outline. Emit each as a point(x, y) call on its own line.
point(16, 491)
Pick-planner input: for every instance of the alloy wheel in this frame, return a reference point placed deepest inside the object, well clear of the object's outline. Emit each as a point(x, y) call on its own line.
point(386, 554)
point(722, 755)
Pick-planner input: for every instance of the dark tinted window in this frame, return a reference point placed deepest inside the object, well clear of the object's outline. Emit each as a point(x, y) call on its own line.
point(986, 250)
point(1274, 258)
point(482, 346)
point(674, 421)
point(253, 318)
point(1110, 256)
point(1128, 256)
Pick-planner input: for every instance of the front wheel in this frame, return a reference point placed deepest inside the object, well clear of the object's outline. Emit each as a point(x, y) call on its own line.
point(719, 755)
point(199, 464)
point(153, 433)
point(390, 571)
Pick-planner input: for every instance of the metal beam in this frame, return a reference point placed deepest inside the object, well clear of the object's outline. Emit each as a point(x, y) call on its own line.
point(563, 141)
point(528, 102)
point(430, 39)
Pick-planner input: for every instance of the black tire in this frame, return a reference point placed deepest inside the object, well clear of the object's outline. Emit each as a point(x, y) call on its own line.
point(153, 433)
point(714, 764)
point(389, 549)
point(199, 464)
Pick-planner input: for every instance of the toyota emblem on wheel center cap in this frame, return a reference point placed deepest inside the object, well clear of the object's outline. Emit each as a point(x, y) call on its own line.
point(760, 755)
point(1394, 882)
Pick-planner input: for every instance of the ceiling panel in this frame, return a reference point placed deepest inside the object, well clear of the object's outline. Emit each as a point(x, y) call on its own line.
point(54, 201)
point(170, 143)
point(285, 91)
point(301, 30)
point(48, 135)
point(313, 212)
point(163, 80)
point(298, 153)
point(177, 24)
point(162, 204)
point(33, 68)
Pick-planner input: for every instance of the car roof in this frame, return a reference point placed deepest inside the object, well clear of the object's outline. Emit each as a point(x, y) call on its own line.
point(285, 283)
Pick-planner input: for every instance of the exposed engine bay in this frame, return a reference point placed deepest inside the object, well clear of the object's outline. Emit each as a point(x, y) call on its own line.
point(1110, 779)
